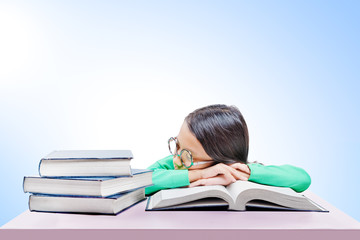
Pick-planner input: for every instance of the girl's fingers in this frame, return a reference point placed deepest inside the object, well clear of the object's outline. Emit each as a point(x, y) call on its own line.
point(242, 167)
point(239, 175)
point(200, 182)
point(231, 173)
point(219, 180)
point(244, 177)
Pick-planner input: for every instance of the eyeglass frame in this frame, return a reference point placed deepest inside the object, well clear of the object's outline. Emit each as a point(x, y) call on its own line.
point(181, 152)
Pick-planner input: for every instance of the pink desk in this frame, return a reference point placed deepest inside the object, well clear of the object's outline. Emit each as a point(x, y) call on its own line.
point(135, 223)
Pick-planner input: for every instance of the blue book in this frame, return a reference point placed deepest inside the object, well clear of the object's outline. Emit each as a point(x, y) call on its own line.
point(85, 186)
point(87, 205)
point(78, 163)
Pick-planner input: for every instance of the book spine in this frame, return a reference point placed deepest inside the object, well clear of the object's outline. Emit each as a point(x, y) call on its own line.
point(29, 203)
point(23, 185)
point(40, 167)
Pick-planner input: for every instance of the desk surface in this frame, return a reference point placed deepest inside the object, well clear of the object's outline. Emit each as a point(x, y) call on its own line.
point(136, 223)
point(136, 218)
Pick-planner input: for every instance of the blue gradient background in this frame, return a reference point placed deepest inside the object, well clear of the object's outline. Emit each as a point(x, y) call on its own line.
point(124, 74)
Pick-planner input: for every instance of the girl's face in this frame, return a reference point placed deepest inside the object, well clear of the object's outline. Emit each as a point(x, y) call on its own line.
point(188, 141)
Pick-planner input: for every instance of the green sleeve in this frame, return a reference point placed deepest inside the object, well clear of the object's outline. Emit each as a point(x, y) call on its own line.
point(165, 176)
point(281, 176)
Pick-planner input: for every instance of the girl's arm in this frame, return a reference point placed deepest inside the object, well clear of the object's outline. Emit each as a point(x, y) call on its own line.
point(163, 179)
point(164, 176)
point(281, 176)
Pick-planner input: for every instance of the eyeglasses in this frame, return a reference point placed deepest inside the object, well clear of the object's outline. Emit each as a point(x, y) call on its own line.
point(185, 155)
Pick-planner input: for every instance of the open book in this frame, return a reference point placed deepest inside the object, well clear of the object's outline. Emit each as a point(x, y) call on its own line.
point(239, 196)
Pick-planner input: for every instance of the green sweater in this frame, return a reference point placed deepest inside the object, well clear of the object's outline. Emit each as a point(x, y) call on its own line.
point(165, 176)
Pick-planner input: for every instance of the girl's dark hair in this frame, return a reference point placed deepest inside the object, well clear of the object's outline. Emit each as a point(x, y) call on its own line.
point(222, 131)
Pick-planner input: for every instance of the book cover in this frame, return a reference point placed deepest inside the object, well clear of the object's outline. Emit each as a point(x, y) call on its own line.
point(85, 204)
point(89, 154)
point(79, 163)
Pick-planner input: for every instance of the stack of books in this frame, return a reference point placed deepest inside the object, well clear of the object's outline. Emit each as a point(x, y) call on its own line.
point(86, 181)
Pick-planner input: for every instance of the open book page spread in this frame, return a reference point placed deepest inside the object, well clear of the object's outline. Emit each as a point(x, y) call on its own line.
point(238, 196)
point(240, 186)
point(245, 191)
point(173, 197)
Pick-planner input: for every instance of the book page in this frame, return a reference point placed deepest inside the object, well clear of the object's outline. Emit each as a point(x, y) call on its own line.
point(237, 187)
point(245, 191)
point(171, 197)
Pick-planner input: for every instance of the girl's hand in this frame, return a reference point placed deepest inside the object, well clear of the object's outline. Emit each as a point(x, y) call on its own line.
point(218, 180)
point(243, 170)
point(219, 174)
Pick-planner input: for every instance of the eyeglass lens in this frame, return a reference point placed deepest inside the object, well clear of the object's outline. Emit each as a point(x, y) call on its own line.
point(185, 155)
point(173, 146)
point(186, 158)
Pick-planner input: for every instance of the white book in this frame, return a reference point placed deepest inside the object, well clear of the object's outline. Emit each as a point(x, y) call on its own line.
point(237, 196)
